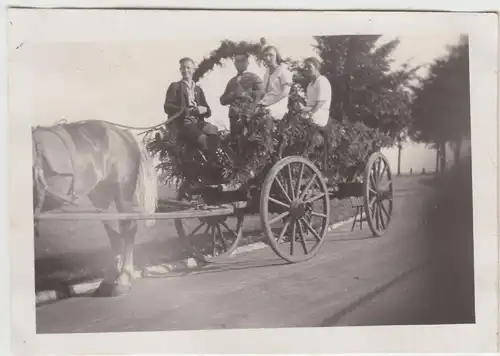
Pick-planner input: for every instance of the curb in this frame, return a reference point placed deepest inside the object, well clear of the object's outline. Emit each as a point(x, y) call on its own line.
point(190, 263)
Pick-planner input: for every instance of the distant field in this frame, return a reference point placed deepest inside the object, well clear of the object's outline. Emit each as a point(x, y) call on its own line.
point(74, 250)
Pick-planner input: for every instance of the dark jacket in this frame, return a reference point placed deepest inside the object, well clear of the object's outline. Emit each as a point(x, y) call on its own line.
point(177, 98)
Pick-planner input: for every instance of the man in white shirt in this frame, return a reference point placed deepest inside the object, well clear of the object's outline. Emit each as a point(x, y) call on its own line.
point(318, 94)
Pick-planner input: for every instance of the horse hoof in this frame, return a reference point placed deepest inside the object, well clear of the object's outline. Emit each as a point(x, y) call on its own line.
point(106, 290)
point(121, 289)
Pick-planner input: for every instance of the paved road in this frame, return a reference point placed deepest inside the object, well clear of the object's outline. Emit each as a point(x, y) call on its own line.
point(354, 280)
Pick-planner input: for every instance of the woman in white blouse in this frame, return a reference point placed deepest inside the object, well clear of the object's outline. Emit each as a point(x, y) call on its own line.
point(277, 83)
point(319, 93)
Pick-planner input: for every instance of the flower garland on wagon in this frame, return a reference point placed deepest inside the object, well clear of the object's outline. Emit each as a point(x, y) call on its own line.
point(264, 140)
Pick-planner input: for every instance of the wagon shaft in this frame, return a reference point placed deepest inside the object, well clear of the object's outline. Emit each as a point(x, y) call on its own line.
point(226, 209)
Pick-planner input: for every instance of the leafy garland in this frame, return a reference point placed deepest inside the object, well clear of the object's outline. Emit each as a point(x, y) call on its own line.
point(228, 49)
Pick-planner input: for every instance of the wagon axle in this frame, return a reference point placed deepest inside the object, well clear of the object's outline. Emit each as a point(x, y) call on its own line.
point(298, 209)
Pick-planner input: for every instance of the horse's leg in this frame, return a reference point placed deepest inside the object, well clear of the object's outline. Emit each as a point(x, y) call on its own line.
point(128, 231)
point(101, 197)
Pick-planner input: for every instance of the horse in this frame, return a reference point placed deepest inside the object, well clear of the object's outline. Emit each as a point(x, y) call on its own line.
point(96, 160)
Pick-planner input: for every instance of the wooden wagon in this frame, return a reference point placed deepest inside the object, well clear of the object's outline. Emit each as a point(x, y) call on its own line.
point(291, 196)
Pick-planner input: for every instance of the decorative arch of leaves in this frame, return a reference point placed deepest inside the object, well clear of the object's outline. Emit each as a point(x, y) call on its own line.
point(228, 49)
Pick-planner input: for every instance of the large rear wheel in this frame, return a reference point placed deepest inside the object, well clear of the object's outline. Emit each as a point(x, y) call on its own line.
point(295, 209)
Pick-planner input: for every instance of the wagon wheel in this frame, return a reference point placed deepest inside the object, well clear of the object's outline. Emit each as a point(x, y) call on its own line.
point(378, 193)
point(209, 239)
point(295, 195)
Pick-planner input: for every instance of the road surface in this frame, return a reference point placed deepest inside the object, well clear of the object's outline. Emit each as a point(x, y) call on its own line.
point(355, 279)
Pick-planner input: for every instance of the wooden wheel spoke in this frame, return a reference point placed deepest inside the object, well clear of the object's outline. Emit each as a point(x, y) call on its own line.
point(229, 230)
point(292, 240)
point(222, 237)
point(383, 172)
point(372, 179)
point(319, 215)
point(279, 202)
point(283, 231)
point(313, 199)
point(207, 230)
point(314, 186)
point(385, 211)
point(279, 217)
point(197, 228)
point(299, 182)
point(308, 185)
point(370, 203)
point(310, 228)
point(380, 213)
point(290, 181)
point(214, 244)
point(283, 190)
point(379, 164)
point(302, 237)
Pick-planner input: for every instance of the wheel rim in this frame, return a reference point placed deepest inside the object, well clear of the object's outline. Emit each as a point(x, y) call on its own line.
point(210, 239)
point(295, 209)
point(379, 194)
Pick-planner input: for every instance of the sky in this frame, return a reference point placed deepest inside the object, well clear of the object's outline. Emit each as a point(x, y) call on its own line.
point(125, 81)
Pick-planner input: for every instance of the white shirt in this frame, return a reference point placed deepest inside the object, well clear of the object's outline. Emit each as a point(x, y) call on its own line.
point(320, 90)
point(273, 86)
point(191, 96)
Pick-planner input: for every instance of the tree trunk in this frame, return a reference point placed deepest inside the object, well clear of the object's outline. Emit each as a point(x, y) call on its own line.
point(442, 149)
point(437, 158)
point(457, 151)
point(400, 147)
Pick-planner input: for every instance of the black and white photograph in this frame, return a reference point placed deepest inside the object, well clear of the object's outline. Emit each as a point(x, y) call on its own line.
point(195, 171)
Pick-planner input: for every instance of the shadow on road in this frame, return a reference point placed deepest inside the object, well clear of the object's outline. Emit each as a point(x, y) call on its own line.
point(223, 267)
point(445, 294)
point(334, 319)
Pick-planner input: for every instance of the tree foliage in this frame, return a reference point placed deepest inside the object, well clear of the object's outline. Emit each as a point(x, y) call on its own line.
point(442, 102)
point(365, 89)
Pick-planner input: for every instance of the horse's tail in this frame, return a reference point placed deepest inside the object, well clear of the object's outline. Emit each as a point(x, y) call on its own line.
point(147, 184)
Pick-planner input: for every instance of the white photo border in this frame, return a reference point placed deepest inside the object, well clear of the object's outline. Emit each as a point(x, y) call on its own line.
point(46, 26)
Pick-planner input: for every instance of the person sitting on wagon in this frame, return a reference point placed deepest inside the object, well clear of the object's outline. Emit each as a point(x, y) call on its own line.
point(318, 99)
point(318, 93)
point(244, 88)
point(278, 81)
point(187, 96)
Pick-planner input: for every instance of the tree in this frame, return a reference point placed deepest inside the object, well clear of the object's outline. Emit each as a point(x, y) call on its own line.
point(442, 102)
point(364, 86)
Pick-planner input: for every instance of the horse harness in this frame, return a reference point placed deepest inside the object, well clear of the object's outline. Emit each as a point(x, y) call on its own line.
point(63, 137)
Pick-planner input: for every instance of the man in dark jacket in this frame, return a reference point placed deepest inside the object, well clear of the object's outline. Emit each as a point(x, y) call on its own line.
point(189, 98)
point(242, 93)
